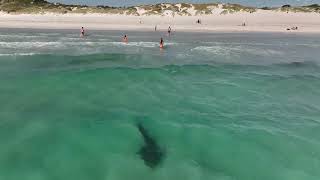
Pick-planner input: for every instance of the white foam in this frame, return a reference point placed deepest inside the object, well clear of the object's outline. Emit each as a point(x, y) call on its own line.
point(28, 44)
point(143, 44)
point(62, 44)
point(236, 50)
point(19, 54)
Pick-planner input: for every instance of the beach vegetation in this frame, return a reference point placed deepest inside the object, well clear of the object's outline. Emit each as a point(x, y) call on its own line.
point(152, 9)
point(131, 11)
point(146, 7)
point(300, 9)
point(156, 8)
point(224, 12)
point(305, 9)
point(286, 6)
point(150, 13)
point(205, 8)
point(172, 8)
point(232, 8)
point(185, 5)
point(184, 12)
point(313, 6)
point(182, 9)
point(268, 8)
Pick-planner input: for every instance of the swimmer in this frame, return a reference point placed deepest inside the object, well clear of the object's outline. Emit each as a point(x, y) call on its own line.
point(161, 43)
point(169, 30)
point(82, 32)
point(125, 39)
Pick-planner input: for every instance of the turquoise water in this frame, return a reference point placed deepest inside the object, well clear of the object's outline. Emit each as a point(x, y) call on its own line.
point(219, 106)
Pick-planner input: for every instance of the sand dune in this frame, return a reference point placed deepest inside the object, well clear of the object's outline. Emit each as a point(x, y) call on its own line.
point(213, 19)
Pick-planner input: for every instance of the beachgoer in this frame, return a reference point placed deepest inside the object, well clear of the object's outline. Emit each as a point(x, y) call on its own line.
point(125, 39)
point(161, 43)
point(82, 32)
point(169, 30)
point(155, 28)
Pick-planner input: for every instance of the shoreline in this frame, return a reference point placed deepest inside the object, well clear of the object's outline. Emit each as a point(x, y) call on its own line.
point(260, 21)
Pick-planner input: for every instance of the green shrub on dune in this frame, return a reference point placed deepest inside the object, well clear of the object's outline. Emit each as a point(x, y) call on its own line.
point(231, 8)
point(29, 6)
point(184, 13)
point(171, 7)
point(185, 5)
point(131, 11)
point(315, 6)
point(156, 8)
point(268, 8)
point(204, 8)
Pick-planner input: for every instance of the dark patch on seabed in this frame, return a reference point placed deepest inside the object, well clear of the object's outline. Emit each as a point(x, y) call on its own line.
point(150, 152)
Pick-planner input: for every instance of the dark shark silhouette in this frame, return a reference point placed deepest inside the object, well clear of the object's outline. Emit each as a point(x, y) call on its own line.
point(150, 152)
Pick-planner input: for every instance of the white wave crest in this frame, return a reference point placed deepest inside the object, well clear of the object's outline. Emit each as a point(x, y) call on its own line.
point(236, 50)
point(19, 54)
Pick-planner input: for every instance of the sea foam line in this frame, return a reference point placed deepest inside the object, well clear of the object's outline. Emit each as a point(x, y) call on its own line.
point(20, 54)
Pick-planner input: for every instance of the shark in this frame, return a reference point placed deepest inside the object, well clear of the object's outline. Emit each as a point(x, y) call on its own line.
point(150, 152)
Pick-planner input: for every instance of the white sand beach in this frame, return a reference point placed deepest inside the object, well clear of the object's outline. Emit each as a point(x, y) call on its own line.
point(259, 21)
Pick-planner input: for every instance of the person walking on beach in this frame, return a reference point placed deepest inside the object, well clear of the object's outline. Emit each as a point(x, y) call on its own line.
point(82, 32)
point(155, 28)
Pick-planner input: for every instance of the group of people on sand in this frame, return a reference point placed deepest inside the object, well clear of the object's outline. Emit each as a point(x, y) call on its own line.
point(293, 28)
point(125, 37)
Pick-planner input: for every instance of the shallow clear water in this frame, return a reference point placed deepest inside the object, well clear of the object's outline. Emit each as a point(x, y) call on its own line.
point(220, 106)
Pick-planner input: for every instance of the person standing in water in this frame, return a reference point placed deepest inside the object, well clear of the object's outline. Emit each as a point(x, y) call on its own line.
point(169, 30)
point(161, 43)
point(82, 32)
point(125, 39)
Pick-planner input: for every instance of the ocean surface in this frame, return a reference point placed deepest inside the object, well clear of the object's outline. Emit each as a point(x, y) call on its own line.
point(240, 106)
point(258, 3)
